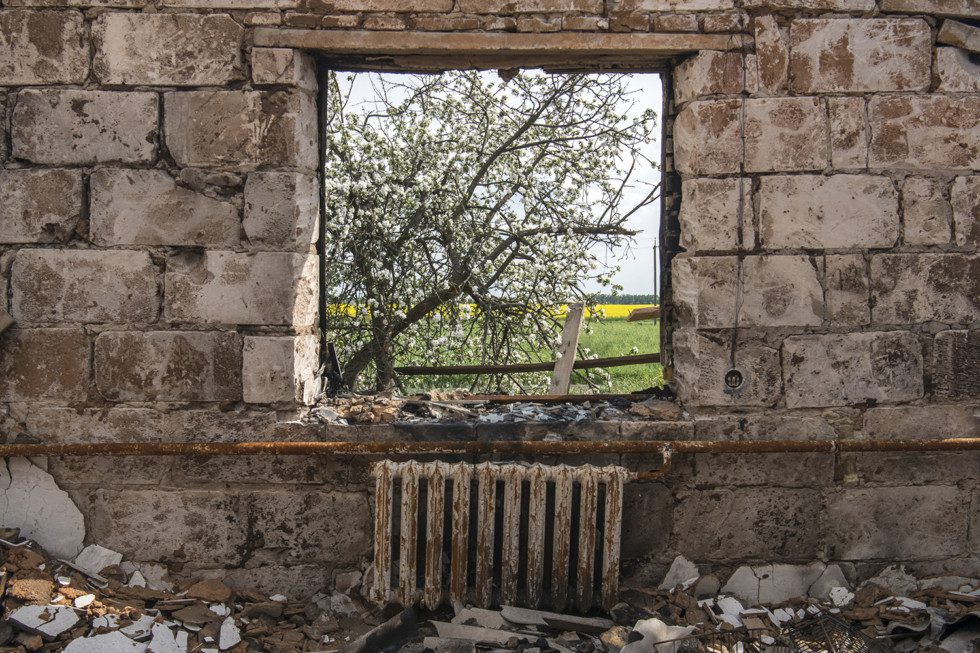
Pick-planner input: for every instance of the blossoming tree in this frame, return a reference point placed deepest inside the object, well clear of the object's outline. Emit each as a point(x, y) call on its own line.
point(462, 208)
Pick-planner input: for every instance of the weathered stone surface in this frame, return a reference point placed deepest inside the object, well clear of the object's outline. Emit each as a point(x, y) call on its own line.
point(271, 469)
point(960, 35)
point(299, 581)
point(167, 49)
point(147, 207)
point(812, 5)
point(709, 214)
point(232, 288)
point(772, 584)
point(708, 73)
point(641, 507)
point(745, 470)
point(283, 66)
point(926, 212)
point(859, 55)
point(504, 6)
point(292, 522)
point(44, 364)
point(851, 368)
point(232, 4)
point(206, 528)
point(168, 366)
point(776, 291)
point(924, 132)
point(911, 288)
point(772, 523)
point(897, 523)
point(42, 47)
point(772, 54)
point(920, 422)
point(79, 127)
point(965, 201)
point(282, 211)
point(701, 361)
point(279, 369)
point(242, 129)
point(956, 71)
point(848, 132)
point(785, 134)
point(89, 471)
point(41, 510)
point(706, 138)
point(846, 290)
point(31, 213)
point(962, 8)
point(818, 212)
point(71, 286)
point(957, 357)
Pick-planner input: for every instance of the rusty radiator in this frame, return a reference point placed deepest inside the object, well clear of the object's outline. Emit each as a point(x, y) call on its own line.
point(497, 534)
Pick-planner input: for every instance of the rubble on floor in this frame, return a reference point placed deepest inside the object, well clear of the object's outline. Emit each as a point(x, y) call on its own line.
point(457, 405)
point(97, 603)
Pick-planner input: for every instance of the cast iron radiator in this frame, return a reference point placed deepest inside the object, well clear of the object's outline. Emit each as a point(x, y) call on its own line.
point(512, 534)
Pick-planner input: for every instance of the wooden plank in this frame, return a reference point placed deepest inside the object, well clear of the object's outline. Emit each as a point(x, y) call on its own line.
point(515, 368)
point(565, 358)
point(645, 313)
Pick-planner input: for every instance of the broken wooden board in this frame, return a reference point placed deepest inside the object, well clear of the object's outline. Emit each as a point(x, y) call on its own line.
point(561, 379)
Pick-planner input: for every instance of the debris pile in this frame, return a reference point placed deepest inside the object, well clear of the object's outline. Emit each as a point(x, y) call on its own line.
point(59, 605)
point(457, 406)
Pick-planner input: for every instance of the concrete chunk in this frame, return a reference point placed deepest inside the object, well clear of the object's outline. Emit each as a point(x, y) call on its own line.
point(167, 49)
point(31, 501)
point(114, 642)
point(38, 46)
point(95, 558)
point(79, 127)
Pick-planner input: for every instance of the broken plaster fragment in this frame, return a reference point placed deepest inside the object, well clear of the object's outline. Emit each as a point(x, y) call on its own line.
point(31, 501)
point(95, 558)
point(48, 621)
point(114, 642)
point(230, 636)
point(681, 572)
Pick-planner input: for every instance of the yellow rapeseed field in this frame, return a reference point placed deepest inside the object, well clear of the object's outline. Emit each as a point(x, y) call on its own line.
point(611, 311)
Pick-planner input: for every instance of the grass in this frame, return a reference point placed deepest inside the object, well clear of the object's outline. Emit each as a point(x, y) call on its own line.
point(609, 338)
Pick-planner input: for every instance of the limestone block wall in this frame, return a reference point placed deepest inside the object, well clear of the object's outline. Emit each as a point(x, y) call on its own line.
point(158, 258)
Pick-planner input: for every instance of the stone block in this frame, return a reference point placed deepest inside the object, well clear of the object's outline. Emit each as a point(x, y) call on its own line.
point(232, 4)
point(762, 469)
point(512, 6)
point(960, 8)
point(282, 211)
point(44, 364)
point(168, 365)
point(676, 23)
point(908, 468)
point(117, 286)
point(283, 66)
point(709, 215)
point(185, 526)
point(38, 46)
point(772, 54)
point(147, 207)
point(859, 55)
point(706, 138)
point(124, 423)
point(167, 49)
point(242, 129)
point(957, 71)
point(846, 290)
point(926, 212)
point(965, 201)
point(31, 213)
point(701, 361)
point(820, 212)
point(267, 288)
point(811, 5)
point(776, 291)
point(920, 422)
point(645, 504)
point(848, 132)
point(748, 523)
point(959, 35)
point(913, 288)
point(89, 471)
point(851, 368)
point(280, 369)
point(76, 127)
point(785, 134)
point(293, 522)
point(709, 73)
point(300, 470)
point(923, 132)
point(897, 523)
point(956, 361)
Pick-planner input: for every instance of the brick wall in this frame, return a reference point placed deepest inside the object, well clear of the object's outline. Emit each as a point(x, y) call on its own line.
point(158, 226)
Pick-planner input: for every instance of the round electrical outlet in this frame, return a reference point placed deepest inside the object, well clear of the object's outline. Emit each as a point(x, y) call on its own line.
point(733, 378)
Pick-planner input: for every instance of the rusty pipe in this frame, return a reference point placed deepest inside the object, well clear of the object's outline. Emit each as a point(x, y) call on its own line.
point(474, 447)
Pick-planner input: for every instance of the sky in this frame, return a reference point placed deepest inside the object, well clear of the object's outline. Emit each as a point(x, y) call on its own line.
point(636, 261)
